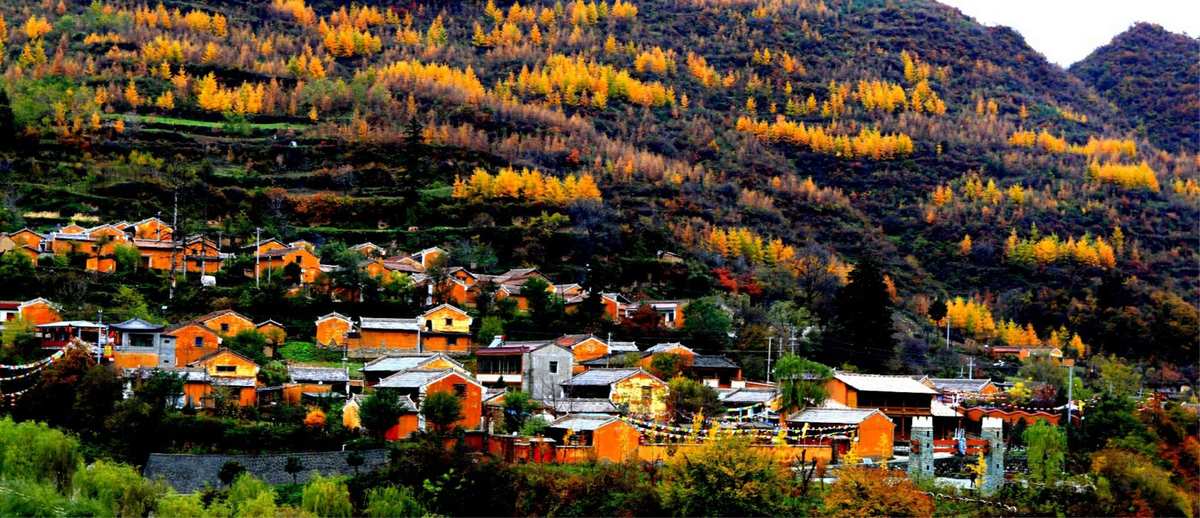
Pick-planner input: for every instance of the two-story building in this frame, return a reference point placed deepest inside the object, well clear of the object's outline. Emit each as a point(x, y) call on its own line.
point(635, 390)
point(900, 398)
point(218, 374)
point(418, 384)
point(538, 368)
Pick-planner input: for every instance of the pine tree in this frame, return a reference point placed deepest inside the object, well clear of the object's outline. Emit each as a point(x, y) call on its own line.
point(861, 330)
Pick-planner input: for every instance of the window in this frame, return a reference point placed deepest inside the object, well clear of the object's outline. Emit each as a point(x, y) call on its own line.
point(224, 327)
point(449, 322)
point(452, 341)
point(429, 325)
point(647, 394)
point(553, 367)
point(226, 368)
point(199, 341)
point(460, 389)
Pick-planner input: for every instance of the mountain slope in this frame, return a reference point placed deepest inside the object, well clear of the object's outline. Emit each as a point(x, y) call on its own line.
point(1150, 74)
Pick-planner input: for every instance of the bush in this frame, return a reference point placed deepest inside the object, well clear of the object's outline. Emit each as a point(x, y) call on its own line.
point(36, 452)
point(535, 425)
point(308, 352)
point(441, 409)
point(390, 502)
point(119, 488)
point(724, 477)
point(863, 491)
point(327, 496)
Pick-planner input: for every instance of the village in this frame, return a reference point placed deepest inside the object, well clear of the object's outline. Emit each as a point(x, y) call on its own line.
point(595, 398)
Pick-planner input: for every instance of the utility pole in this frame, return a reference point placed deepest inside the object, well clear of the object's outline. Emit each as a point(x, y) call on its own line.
point(175, 237)
point(257, 241)
point(947, 331)
point(769, 340)
point(1070, 363)
point(792, 339)
point(101, 336)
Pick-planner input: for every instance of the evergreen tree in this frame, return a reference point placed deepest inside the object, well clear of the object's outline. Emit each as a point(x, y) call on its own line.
point(861, 331)
point(8, 126)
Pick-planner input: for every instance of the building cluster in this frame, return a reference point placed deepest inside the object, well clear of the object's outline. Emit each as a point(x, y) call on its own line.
point(96, 248)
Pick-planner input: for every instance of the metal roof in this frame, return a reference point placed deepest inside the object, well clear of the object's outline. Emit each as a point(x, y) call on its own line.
point(412, 378)
point(136, 324)
point(389, 324)
point(834, 415)
point(600, 377)
point(883, 383)
point(579, 422)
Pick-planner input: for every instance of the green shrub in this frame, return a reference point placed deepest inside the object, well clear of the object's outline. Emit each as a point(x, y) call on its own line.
point(326, 496)
point(390, 502)
point(119, 488)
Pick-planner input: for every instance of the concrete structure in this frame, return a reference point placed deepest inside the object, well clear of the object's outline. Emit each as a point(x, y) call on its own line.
point(538, 368)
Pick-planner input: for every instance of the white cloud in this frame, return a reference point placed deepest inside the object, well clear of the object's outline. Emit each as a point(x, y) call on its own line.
point(1066, 31)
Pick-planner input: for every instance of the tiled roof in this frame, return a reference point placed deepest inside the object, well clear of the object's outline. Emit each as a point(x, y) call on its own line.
point(664, 347)
point(883, 383)
point(582, 406)
point(747, 396)
point(834, 415)
point(625, 347)
point(578, 422)
point(713, 362)
point(136, 324)
point(600, 377)
point(401, 362)
point(326, 374)
point(412, 378)
point(959, 385)
point(388, 324)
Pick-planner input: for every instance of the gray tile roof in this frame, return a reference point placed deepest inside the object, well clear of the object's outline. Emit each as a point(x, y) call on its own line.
point(713, 362)
point(600, 377)
point(579, 422)
point(834, 415)
point(397, 363)
point(325, 374)
point(411, 379)
point(582, 406)
point(959, 385)
point(388, 324)
point(747, 396)
point(624, 347)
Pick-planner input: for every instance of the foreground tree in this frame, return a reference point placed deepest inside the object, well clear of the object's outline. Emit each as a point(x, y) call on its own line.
point(725, 477)
point(442, 409)
point(861, 491)
point(801, 383)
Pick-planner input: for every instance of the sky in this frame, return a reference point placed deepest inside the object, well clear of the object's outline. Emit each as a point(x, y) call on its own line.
point(1066, 31)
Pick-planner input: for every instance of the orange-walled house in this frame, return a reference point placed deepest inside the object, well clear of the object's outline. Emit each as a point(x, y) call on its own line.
point(898, 397)
point(874, 430)
point(273, 331)
point(671, 311)
point(192, 341)
point(277, 259)
point(640, 392)
point(221, 368)
point(9, 246)
point(614, 306)
point(384, 335)
point(370, 250)
point(29, 238)
point(202, 255)
point(380, 368)
point(584, 348)
point(601, 437)
point(39, 311)
point(72, 228)
point(226, 322)
point(333, 330)
point(447, 329)
point(152, 229)
point(418, 384)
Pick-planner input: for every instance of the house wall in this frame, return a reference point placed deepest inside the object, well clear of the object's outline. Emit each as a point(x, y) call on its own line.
point(274, 334)
point(472, 402)
point(39, 313)
point(615, 441)
point(185, 344)
point(785, 455)
point(630, 392)
point(589, 349)
point(128, 360)
point(459, 322)
point(229, 324)
point(386, 339)
point(405, 426)
point(155, 258)
point(876, 434)
point(27, 238)
point(332, 331)
point(442, 343)
point(244, 368)
point(842, 393)
point(537, 378)
point(153, 229)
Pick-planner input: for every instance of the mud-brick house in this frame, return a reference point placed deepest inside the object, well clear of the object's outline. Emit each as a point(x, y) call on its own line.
point(584, 348)
point(670, 311)
point(272, 331)
point(151, 229)
point(333, 330)
point(538, 368)
point(899, 397)
point(279, 258)
point(191, 341)
point(419, 384)
point(201, 255)
point(226, 322)
point(447, 329)
point(28, 238)
point(315, 382)
point(952, 390)
point(587, 437)
point(223, 370)
point(370, 250)
point(34, 312)
point(874, 430)
point(636, 390)
point(384, 366)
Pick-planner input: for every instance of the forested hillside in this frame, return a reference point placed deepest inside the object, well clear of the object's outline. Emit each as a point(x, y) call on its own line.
point(1150, 74)
point(775, 144)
